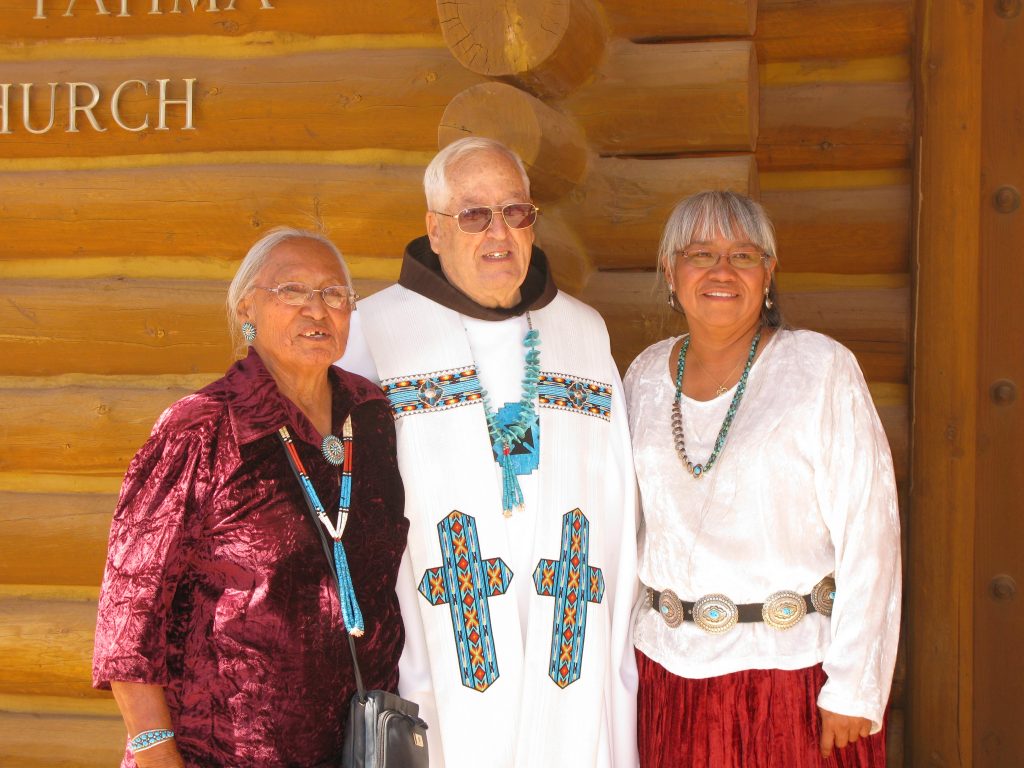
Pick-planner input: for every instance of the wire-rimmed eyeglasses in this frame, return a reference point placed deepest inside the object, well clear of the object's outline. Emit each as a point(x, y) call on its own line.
point(705, 258)
point(296, 294)
point(475, 220)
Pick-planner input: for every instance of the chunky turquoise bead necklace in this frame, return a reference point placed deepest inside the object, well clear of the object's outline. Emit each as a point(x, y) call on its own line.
point(507, 436)
point(699, 470)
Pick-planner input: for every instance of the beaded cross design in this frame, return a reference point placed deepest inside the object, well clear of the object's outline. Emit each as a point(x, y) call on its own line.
point(507, 436)
point(699, 470)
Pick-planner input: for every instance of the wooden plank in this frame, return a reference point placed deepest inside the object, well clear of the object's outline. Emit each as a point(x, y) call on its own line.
point(30, 740)
point(827, 125)
point(999, 556)
point(46, 643)
point(789, 30)
point(100, 422)
point(620, 210)
point(54, 538)
point(872, 320)
point(941, 594)
point(342, 99)
point(644, 99)
point(661, 19)
point(213, 212)
point(113, 327)
point(247, 18)
point(842, 231)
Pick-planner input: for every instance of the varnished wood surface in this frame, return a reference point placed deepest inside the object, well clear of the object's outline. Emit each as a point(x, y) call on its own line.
point(999, 544)
point(941, 594)
point(394, 17)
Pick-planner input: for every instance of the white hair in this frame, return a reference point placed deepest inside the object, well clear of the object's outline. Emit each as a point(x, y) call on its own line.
point(245, 278)
point(435, 179)
point(708, 214)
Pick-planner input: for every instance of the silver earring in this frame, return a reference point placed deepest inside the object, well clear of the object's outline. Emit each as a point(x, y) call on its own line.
point(248, 332)
point(768, 303)
point(673, 302)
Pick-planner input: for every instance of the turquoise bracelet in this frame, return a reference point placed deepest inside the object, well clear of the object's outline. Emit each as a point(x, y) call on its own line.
point(147, 739)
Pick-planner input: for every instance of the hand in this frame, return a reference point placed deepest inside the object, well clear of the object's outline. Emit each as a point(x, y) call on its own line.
point(839, 730)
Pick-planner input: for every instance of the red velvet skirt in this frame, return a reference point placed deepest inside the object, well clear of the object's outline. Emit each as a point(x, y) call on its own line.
point(758, 718)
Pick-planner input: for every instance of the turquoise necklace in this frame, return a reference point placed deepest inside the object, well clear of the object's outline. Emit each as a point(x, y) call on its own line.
point(508, 436)
point(699, 470)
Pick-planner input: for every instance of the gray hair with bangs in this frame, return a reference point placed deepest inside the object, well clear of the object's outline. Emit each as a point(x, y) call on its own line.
point(707, 215)
point(435, 179)
point(245, 278)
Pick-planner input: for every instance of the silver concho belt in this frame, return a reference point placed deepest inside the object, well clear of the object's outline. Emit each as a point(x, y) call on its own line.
point(717, 613)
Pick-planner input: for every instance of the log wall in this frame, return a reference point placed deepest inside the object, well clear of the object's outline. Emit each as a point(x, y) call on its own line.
point(118, 238)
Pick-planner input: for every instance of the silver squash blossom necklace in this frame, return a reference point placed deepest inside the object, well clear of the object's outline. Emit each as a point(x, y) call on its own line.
point(699, 470)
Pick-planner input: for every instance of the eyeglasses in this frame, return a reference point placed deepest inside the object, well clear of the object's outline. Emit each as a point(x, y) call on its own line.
point(703, 258)
point(473, 221)
point(297, 294)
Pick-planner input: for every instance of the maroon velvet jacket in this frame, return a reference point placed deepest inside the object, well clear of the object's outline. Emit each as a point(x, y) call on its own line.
point(217, 585)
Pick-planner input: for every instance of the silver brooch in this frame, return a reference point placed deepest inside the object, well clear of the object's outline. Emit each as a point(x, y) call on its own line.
point(334, 450)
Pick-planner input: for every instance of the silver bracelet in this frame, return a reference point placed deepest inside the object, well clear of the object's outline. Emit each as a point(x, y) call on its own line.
point(147, 739)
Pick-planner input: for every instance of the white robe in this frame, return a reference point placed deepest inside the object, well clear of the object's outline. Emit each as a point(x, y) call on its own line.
point(515, 714)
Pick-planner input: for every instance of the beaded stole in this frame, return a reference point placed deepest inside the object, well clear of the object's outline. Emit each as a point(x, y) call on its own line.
point(350, 611)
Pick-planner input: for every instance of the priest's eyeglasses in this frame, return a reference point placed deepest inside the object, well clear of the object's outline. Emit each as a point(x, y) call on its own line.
point(296, 294)
point(473, 221)
point(704, 258)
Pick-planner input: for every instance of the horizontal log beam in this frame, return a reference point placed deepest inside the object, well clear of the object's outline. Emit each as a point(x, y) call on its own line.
point(835, 125)
point(621, 207)
point(343, 99)
point(46, 643)
point(789, 30)
point(213, 212)
point(98, 429)
point(845, 231)
point(54, 538)
point(871, 318)
point(660, 19)
point(33, 740)
point(248, 17)
point(681, 97)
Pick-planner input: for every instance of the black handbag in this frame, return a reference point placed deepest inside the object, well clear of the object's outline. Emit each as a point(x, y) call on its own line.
point(384, 730)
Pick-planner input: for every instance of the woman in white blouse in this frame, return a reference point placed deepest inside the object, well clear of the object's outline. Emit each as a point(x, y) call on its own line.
point(766, 635)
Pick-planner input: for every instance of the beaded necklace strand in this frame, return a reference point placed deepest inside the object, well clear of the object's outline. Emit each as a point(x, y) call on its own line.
point(507, 436)
point(699, 470)
point(350, 612)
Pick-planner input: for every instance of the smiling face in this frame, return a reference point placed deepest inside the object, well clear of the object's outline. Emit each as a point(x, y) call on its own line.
point(489, 267)
point(298, 340)
point(721, 297)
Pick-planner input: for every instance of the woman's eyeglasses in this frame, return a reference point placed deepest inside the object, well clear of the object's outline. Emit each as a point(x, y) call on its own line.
point(703, 258)
point(473, 221)
point(296, 294)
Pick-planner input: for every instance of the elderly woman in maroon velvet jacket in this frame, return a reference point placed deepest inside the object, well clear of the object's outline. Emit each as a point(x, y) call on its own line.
point(259, 525)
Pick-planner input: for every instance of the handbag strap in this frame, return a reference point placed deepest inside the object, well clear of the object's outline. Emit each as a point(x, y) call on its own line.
point(330, 561)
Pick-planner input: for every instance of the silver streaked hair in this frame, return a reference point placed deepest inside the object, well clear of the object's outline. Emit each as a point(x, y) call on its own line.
point(435, 179)
point(245, 278)
point(707, 215)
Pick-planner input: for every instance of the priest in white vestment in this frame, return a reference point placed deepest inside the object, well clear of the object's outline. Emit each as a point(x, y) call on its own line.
point(520, 573)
